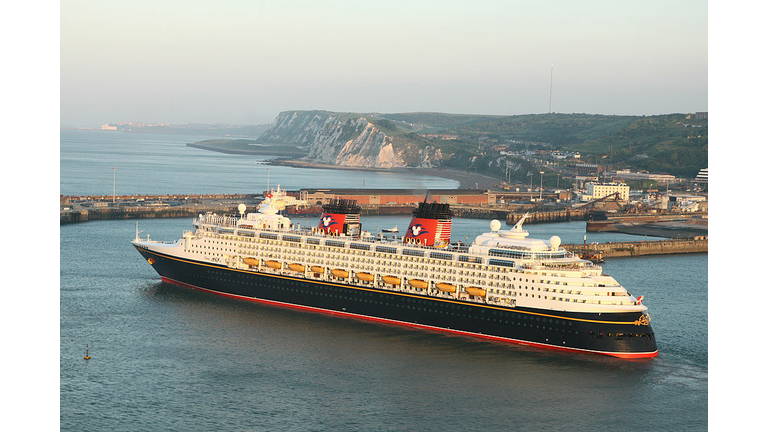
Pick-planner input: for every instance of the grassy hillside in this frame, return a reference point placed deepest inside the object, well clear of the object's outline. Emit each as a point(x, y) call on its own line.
point(437, 121)
point(559, 130)
point(668, 143)
point(671, 143)
point(244, 146)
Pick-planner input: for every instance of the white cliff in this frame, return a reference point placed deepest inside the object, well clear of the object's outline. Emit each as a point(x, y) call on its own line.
point(345, 139)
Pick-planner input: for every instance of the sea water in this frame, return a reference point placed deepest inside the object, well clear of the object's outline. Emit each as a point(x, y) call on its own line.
point(165, 357)
point(98, 162)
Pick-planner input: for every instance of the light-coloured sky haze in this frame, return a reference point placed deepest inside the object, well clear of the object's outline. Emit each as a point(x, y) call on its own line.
point(243, 62)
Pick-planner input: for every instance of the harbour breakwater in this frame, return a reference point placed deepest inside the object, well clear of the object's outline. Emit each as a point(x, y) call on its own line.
point(643, 248)
point(680, 226)
point(76, 216)
point(566, 215)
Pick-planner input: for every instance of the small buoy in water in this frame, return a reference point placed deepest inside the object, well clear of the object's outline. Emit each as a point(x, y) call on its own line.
point(87, 357)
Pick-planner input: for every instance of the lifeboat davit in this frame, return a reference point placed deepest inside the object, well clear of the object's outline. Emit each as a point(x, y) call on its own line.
point(392, 280)
point(418, 283)
point(274, 264)
point(316, 269)
point(251, 261)
point(296, 267)
point(339, 273)
point(365, 276)
point(475, 291)
point(446, 287)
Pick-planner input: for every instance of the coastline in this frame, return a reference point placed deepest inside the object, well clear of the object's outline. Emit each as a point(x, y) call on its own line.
point(467, 180)
point(286, 157)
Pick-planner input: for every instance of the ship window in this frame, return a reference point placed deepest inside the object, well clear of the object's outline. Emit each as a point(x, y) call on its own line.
point(471, 259)
point(505, 253)
point(334, 243)
point(441, 255)
point(359, 246)
point(386, 249)
point(499, 262)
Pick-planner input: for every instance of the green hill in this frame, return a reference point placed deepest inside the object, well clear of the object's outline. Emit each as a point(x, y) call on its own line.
point(671, 143)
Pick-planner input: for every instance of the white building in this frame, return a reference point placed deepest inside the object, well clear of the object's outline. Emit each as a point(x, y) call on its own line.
point(629, 175)
point(600, 190)
point(703, 176)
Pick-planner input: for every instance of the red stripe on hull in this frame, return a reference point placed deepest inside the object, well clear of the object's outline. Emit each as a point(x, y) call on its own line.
point(406, 324)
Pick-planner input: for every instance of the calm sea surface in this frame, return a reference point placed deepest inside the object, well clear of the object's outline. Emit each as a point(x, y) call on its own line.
point(170, 358)
point(92, 161)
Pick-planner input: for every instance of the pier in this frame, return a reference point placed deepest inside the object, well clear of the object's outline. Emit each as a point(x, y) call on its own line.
point(74, 209)
point(566, 215)
point(671, 225)
point(644, 248)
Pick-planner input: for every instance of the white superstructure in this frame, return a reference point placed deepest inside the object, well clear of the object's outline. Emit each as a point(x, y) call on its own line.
point(501, 267)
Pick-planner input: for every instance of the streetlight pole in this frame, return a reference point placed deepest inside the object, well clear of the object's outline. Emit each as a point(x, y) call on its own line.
point(541, 184)
point(114, 170)
point(530, 174)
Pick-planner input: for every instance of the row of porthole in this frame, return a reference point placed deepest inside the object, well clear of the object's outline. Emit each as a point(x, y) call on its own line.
point(447, 308)
point(601, 335)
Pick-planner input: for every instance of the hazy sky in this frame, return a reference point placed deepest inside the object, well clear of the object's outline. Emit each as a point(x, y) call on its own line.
point(243, 62)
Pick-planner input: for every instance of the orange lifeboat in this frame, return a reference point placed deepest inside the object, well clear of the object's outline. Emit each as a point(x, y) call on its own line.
point(274, 264)
point(251, 261)
point(296, 267)
point(475, 291)
point(418, 283)
point(446, 287)
point(339, 273)
point(316, 269)
point(365, 276)
point(392, 280)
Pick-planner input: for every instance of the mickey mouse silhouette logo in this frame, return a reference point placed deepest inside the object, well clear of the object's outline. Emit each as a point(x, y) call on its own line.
point(328, 221)
point(418, 229)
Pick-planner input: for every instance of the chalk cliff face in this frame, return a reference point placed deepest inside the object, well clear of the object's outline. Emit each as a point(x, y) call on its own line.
point(344, 139)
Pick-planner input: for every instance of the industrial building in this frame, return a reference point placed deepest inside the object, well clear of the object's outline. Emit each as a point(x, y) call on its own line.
point(398, 196)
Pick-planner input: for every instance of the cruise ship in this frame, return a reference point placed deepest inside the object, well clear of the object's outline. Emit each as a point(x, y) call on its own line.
point(504, 286)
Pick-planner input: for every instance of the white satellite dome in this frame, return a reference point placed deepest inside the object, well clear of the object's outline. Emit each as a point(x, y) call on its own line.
point(554, 242)
point(495, 225)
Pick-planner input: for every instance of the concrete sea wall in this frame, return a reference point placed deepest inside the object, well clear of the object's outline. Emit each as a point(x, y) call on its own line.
point(642, 248)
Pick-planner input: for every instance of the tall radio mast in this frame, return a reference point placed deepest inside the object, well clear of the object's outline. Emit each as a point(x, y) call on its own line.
point(551, 77)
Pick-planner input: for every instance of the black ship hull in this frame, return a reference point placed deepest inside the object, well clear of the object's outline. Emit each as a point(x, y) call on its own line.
point(625, 335)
